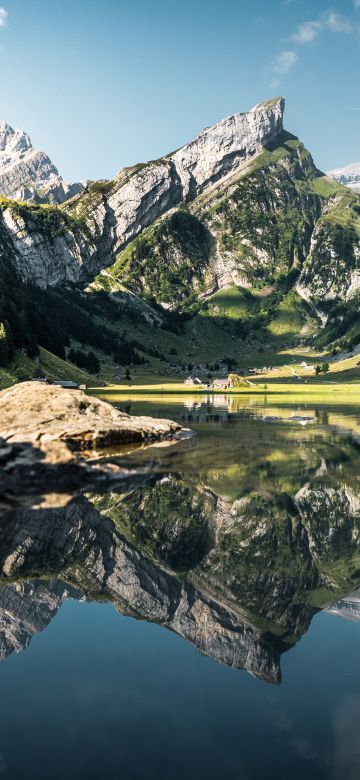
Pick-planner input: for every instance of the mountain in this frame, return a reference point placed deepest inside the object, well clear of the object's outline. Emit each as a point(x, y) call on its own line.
point(245, 204)
point(236, 232)
point(27, 174)
point(349, 175)
point(76, 242)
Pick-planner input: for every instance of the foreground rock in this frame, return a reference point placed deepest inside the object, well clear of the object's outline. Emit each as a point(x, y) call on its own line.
point(38, 413)
point(42, 430)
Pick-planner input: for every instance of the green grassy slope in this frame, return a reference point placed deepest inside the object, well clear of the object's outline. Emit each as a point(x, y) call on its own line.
point(49, 366)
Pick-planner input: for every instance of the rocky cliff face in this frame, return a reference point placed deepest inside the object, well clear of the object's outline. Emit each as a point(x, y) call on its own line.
point(224, 147)
point(242, 204)
point(349, 175)
point(103, 219)
point(28, 174)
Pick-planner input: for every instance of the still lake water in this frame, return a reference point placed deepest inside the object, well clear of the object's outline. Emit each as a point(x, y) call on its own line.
point(180, 625)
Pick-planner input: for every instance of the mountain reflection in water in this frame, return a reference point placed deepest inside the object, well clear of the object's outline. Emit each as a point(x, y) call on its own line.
point(233, 539)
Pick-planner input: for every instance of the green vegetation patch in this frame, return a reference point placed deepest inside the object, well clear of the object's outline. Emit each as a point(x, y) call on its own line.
point(51, 220)
point(166, 262)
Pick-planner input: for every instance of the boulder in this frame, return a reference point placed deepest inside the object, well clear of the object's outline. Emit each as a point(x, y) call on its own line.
point(43, 428)
point(38, 413)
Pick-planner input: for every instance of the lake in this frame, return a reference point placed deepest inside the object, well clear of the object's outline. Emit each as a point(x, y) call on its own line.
point(199, 619)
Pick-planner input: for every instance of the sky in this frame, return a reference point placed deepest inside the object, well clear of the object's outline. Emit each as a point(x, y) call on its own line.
point(100, 85)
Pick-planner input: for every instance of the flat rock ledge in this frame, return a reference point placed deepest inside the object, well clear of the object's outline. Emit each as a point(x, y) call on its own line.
point(38, 413)
point(45, 431)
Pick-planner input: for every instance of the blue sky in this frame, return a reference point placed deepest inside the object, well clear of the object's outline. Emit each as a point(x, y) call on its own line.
point(100, 85)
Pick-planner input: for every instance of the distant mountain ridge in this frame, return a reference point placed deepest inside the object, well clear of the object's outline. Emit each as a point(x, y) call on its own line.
point(28, 174)
point(349, 175)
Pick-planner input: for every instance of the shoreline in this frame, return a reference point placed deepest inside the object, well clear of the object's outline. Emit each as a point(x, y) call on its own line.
point(282, 389)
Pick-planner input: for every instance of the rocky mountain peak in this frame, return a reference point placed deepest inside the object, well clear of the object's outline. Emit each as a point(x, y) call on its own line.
point(223, 147)
point(27, 173)
point(6, 133)
point(348, 175)
point(14, 144)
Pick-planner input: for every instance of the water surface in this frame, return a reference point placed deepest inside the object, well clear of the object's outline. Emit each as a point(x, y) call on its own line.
point(200, 619)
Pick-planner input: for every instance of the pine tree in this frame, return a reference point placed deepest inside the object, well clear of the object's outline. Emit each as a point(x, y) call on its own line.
point(4, 347)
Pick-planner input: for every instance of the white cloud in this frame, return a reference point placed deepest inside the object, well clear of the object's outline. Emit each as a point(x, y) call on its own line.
point(285, 61)
point(353, 108)
point(337, 23)
point(3, 16)
point(307, 32)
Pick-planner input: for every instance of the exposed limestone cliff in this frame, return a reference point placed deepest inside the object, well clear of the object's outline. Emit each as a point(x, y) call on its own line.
point(108, 215)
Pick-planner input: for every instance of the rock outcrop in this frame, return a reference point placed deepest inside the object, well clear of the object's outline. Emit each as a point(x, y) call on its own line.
point(226, 146)
point(42, 430)
point(27, 173)
point(39, 414)
point(349, 175)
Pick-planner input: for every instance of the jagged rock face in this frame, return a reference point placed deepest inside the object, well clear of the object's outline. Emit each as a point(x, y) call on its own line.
point(221, 148)
point(27, 173)
point(44, 253)
point(106, 217)
point(348, 175)
point(332, 271)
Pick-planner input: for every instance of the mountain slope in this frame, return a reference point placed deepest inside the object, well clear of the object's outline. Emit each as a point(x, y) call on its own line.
point(277, 222)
